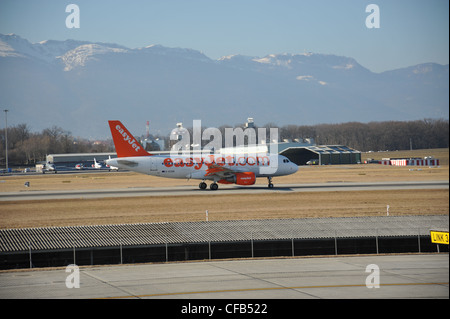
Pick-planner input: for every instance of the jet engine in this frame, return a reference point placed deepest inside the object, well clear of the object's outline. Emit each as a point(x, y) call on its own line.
point(245, 178)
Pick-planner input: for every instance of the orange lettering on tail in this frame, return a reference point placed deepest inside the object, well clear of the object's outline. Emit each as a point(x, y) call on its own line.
point(126, 145)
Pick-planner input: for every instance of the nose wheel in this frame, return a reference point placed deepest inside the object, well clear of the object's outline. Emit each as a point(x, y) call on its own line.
point(270, 185)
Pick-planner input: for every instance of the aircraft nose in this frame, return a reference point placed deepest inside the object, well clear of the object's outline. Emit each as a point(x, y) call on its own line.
point(294, 167)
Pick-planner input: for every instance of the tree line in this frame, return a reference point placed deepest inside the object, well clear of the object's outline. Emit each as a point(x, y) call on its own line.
point(376, 136)
point(28, 148)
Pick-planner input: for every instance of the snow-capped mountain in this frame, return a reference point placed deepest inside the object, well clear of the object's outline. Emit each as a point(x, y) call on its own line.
point(14, 45)
point(79, 56)
point(79, 85)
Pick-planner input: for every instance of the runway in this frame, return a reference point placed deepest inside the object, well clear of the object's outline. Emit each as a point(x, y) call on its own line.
point(223, 190)
point(356, 277)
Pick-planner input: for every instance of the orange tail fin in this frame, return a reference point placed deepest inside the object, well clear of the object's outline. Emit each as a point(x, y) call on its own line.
point(125, 143)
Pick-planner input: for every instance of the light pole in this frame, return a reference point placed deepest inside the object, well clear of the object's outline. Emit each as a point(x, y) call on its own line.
point(6, 138)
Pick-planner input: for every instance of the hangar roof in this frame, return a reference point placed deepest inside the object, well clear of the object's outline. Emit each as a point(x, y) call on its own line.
point(77, 157)
point(55, 238)
point(326, 149)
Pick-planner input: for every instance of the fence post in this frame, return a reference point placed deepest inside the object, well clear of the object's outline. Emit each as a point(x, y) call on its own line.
point(74, 259)
point(418, 239)
point(252, 242)
point(292, 238)
point(209, 244)
point(293, 252)
point(209, 249)
point(376, 238)
point(335, 243)
point(29, 247)
point(121, 256)
point(167, 252)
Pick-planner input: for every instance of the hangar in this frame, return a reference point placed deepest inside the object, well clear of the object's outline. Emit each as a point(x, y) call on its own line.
point(77, 157)
point(323, 154)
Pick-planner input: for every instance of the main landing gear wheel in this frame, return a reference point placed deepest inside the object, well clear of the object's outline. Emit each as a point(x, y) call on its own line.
point(269, 179)
point(202, 185)
point(214, 186)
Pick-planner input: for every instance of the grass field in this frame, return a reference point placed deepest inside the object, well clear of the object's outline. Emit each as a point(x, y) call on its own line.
point(18, 214)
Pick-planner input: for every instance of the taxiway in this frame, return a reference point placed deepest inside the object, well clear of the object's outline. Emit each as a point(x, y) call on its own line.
point(223, 190)
point(399, 276)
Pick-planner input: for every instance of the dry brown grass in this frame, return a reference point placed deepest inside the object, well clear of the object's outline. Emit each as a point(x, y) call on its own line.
point(18, 214)
point(222, 207)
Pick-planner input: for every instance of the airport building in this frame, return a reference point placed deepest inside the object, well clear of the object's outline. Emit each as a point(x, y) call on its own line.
point(426, 161)
point(304, 151)
point(318, 154)
point(70, 158)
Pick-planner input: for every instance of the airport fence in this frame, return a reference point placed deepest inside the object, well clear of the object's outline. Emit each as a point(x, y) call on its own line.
point(250, 245)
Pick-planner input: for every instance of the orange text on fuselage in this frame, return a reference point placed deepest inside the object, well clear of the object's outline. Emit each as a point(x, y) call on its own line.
point(197, 163)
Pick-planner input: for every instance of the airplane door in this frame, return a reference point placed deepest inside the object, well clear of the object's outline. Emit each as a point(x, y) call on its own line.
point(153, 168)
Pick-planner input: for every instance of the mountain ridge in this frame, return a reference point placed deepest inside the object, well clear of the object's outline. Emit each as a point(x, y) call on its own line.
point(79, 85)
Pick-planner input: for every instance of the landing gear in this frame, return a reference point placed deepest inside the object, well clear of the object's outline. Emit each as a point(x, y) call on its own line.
point(269, 179)
point(213, 186)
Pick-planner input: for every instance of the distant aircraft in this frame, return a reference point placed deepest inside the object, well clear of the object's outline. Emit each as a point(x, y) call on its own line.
point(49, 168)
point(79, 166)
point(227, 169)
point(96, 165)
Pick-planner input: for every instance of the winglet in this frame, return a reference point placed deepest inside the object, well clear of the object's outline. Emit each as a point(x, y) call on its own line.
point(125, 143)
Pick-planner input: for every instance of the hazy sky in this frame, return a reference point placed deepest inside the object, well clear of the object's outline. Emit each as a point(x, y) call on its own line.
point(411, 31)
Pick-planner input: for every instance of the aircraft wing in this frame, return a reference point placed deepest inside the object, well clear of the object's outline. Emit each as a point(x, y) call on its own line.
point(214, 170)
point(228, 176)
point(218, 170)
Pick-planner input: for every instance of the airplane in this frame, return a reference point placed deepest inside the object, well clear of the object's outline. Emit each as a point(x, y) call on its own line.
point(96, 165)
point(79, 166)
point(218, 168)
point(49, 168)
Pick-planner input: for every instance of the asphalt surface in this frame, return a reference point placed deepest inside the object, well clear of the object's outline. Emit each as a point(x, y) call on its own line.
point(223, 189)
point(356, 277)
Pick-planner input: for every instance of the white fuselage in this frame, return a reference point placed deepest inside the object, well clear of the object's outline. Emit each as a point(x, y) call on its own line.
point(199, 166)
